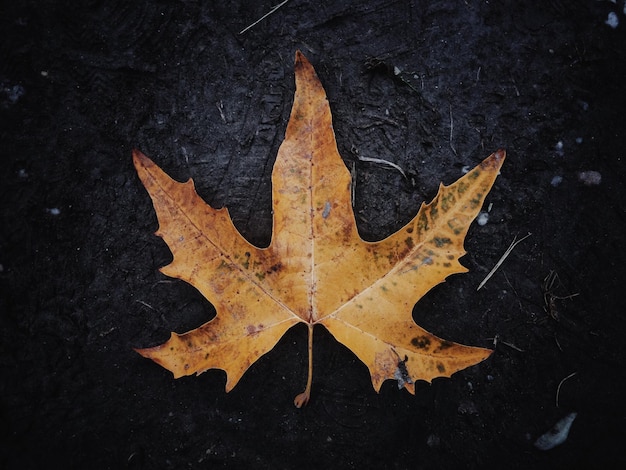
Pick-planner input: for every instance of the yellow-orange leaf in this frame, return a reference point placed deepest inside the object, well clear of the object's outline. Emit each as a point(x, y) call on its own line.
point(316, 270)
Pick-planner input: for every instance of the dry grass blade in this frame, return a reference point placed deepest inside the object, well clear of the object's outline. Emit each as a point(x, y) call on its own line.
point(508, 251)
point(383, 162)
point(558, 389)
point(273, 10)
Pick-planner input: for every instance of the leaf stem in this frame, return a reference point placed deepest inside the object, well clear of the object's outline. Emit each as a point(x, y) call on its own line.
point(303, 398)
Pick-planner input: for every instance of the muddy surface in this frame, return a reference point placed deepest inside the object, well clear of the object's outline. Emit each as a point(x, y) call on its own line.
point(430, 86)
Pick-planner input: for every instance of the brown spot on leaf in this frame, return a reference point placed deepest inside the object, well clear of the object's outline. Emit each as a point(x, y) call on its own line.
point(275, 268)
point(421, 342)
point(441, 241)
point(443, 345)
point(434, 210)
point(422, 222)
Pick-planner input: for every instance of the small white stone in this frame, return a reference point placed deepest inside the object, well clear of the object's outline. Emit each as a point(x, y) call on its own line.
point(557, 435)
point(482, 218)
point(556, 180)
point(612, 20)
point(559, 148)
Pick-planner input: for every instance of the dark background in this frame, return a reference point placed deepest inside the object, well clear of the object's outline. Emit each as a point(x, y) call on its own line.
point(432, 86)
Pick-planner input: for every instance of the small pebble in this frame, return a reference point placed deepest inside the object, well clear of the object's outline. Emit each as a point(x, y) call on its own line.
point(612, 20)
point(559, 148)
point(482, 218)
point(557, 435)
point(557, 180)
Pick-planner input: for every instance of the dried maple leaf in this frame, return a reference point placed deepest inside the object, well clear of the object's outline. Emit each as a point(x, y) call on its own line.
point(316, 270)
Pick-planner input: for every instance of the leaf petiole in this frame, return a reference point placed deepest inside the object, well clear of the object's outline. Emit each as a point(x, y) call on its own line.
point(303, 398)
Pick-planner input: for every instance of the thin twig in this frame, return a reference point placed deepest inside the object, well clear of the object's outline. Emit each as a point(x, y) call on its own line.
point(513, 244)
point(558, 389)
point(264, 16)
point(145, 304)
point(451, 131)
point(382, 162)
point(497, 340)
point(512, 346)
point(556, 340)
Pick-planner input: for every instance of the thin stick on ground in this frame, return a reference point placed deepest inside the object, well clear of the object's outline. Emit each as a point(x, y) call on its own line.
point(508, 251)
point(451, 131)
point(383, 162)
point(558, 389)
point(273, 10)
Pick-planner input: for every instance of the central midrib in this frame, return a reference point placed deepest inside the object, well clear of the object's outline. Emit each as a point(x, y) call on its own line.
point(313, 281)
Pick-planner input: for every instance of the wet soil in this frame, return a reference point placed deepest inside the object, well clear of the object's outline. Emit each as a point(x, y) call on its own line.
point(433, 87)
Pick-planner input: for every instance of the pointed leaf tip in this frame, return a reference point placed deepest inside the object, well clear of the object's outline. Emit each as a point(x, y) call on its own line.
point(495, 160)
point(302, 67)
point(140, 160)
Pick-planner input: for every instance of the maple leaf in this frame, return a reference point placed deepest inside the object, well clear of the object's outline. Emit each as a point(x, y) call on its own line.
point(316, 270)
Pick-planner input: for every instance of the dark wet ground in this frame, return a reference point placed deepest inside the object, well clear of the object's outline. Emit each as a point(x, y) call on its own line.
point(430, 86)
